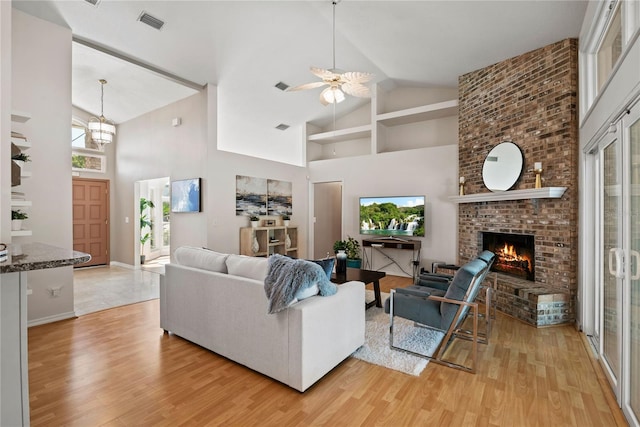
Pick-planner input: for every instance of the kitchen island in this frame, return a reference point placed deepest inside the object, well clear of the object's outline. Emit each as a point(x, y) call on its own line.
point(20, 259)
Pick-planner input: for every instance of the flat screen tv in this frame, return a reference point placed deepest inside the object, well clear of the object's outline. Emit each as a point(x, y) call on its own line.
point(185, 195)
point(392, 216)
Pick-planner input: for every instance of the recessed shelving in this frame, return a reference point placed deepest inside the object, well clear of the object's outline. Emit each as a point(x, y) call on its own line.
point(342, 134)
point(19, 116)
point(17, 168)
point(21, 143)
point(386, 117)
point(419, 114)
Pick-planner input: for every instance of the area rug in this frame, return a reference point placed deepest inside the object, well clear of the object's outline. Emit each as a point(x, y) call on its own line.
point(376, 348)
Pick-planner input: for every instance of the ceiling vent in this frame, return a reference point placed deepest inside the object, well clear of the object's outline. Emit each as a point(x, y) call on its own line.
point(93, 2)
point(151, 21)
point(282, 86)
point(282, 126)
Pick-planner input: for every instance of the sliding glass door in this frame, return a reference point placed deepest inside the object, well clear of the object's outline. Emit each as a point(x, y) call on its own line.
point(631, 311)
point(610, 297)
point(617, 299)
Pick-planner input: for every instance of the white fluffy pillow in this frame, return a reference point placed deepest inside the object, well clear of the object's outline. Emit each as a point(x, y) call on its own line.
point(204, 259)
point(307, 293)
point(247, 266)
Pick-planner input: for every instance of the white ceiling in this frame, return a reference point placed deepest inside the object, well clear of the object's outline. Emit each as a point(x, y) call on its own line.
point(246, 47)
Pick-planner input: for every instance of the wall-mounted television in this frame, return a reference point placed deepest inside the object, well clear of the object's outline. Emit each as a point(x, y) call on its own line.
point(185, 195)
point(392, 216)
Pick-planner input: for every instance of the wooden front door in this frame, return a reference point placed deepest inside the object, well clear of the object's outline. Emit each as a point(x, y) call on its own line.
point(91, 219)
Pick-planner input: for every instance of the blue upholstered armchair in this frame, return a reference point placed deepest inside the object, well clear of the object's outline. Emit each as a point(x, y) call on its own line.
point(443, 310)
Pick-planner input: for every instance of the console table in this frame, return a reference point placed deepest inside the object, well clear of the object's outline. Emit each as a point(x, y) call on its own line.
point(378, 245)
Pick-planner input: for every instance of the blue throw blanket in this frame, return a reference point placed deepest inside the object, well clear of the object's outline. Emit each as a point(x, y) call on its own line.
point(286, 276)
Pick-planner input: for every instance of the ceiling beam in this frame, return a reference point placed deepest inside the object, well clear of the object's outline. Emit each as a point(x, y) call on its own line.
point(157, 71)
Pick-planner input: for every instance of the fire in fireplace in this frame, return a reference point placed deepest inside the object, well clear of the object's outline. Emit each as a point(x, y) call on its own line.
point(515, 253)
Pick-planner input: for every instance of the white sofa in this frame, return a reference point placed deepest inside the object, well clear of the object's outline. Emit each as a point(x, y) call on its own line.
point(218, 302)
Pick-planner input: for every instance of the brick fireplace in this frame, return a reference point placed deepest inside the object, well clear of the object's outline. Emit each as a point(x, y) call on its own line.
point(531, 100)
point(515, 253)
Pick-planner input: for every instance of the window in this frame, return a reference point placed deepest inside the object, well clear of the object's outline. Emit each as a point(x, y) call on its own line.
point(85, 157)
point(85, 162)
point(79, 136)
point(611, 46)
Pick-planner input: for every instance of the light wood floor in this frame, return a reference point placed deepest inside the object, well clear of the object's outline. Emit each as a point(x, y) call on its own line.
point(117, 368)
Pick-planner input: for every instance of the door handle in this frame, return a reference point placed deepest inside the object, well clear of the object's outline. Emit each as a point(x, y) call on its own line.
point(618, 272)
point(636, 256)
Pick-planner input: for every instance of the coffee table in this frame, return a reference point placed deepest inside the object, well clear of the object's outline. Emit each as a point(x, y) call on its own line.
point(366, 276)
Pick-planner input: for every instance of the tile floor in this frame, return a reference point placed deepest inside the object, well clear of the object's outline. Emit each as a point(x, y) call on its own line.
point(99, 288)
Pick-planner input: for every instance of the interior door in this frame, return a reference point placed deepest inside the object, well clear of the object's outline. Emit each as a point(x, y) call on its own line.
point(91, 219)
point(327, 212)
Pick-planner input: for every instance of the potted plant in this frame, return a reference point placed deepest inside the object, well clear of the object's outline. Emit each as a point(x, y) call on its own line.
point(353, 253)
point(17, 217)
point(285, 220)
point(20, 159)
point(254, 221)
point(144, 223)
point(339, 245)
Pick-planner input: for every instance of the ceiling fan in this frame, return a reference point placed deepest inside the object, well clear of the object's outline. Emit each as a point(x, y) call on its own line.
point(338, 81)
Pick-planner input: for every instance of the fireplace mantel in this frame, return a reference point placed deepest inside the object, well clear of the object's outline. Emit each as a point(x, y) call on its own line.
point(529, 193)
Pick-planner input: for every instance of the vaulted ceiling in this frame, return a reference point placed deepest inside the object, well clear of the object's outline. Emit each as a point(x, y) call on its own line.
point(246, 47)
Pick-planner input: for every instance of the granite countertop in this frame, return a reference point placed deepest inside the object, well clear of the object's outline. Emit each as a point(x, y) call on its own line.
point(38, 256)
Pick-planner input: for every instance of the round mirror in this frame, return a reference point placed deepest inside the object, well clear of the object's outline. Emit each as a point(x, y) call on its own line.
point(502, 167)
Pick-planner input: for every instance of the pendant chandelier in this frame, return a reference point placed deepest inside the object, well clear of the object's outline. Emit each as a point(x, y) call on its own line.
point(102, 130)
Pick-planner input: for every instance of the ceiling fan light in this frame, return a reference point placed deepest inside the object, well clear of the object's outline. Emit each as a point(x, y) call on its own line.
point(333, 95)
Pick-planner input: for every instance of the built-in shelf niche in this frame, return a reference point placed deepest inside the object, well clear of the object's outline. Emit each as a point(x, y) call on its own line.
point(23, 144)
point(374, 133)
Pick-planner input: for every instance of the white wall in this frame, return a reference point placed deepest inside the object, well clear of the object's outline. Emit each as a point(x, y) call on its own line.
point(429, 171)
point(41, 85)
point(150, 147)
point(223, 224)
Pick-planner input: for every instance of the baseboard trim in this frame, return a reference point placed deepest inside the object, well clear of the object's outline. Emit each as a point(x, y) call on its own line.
point(51, 319)
point(123, 265)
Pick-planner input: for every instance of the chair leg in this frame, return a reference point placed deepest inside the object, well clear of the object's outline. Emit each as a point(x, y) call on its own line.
point(438, 354)
point(488, 303)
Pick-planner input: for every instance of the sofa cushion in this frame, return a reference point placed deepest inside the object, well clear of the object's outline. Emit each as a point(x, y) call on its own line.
point(246, 266)
point(202, 258)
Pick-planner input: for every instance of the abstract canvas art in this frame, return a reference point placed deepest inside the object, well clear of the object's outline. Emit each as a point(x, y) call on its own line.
point(251, 195)
point(261, 196)
point(278, 197)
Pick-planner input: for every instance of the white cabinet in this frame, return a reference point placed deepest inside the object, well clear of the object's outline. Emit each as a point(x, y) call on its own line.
point(396, 120)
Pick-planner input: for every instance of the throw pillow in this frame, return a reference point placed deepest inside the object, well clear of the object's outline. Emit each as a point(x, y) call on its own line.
point(305, 293)
point(326, 264)
point(204, 259)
